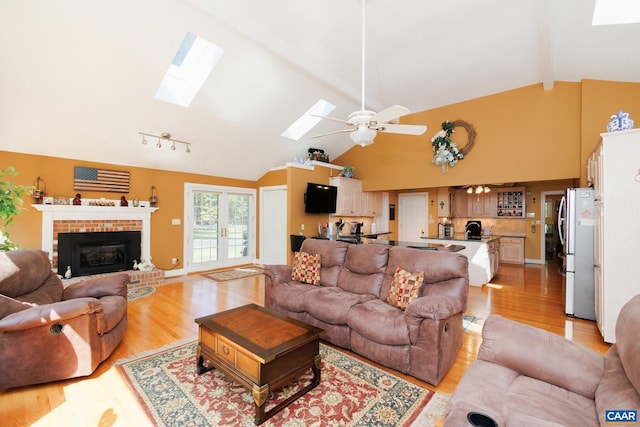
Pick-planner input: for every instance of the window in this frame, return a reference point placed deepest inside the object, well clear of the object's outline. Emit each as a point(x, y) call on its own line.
point(308, 120)
point(611, 12)
point(188, 71)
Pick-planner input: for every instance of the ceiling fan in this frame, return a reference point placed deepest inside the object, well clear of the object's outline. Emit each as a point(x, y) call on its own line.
point(365, 124)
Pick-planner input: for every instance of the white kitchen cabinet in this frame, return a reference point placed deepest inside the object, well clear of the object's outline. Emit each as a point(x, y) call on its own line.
point(371, 203)
point(615, 169)
point(512, 250)
point(349, 201)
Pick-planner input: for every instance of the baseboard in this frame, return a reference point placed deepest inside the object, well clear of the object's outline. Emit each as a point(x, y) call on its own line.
point(174, 273)
point(534, 261)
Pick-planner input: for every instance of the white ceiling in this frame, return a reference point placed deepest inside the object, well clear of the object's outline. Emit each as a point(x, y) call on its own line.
point(78, 77)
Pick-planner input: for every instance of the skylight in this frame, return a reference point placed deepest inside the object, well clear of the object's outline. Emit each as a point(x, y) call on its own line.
point(307, 120)
point(188, 71)
point(610, 12)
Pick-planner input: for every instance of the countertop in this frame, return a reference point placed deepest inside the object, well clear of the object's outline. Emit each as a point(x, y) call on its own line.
point(459, 237)
point(446, 247)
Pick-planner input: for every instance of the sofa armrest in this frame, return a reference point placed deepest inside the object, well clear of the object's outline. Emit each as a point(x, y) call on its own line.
point(49, 313)
point(434, 307)
point(542, 355)
point(277, 274)
point(115, 284)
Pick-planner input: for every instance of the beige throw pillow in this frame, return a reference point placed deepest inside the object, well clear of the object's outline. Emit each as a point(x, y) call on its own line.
point(306, 268)
point(404, 288)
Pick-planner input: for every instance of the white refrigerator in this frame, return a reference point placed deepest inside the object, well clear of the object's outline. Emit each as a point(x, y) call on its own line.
point(576, 222)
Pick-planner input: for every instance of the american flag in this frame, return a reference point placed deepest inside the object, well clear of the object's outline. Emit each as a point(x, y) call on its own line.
point(91, 179)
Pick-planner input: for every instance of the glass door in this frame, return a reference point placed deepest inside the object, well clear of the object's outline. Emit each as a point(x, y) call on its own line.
point(219, 227)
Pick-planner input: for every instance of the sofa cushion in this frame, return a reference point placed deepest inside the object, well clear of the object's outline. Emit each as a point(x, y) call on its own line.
point(306, 268)
point(548, 402)
point(380, 322)
point(289, 295)
point(628, 340)
point(539, 354)
point(33, 269)
point(363, 269)
point(404, 288)
point(615, 391)
point(331, 304)
point(332, 254)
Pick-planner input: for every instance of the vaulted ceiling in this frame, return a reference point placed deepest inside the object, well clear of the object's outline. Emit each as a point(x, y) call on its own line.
point(78, 77)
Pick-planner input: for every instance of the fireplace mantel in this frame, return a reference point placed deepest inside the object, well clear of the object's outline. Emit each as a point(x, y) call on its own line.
point(51, 213)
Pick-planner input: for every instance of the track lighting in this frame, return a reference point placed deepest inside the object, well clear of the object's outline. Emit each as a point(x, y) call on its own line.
point(165, 136)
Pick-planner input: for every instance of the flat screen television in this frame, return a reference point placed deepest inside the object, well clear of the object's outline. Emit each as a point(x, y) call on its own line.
point(320, 198)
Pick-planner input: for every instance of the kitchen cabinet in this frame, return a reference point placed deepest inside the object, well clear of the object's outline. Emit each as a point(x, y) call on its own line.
point(512, 250)
point(371, 203)
point(459, 207)
point(444, 202)
point(482, 204)
point(494, 256)
point(510, 202)
point(349, 199)
point(615, 175)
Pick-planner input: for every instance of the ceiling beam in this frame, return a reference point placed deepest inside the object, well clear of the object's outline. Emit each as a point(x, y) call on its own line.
point(545, 40)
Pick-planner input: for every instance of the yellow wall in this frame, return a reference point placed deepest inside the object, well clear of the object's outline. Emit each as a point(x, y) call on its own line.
point(526, 134)
point(166, 239)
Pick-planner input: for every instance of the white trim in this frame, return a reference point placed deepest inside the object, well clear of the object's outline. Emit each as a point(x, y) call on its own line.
point(543, 202)
point(51, 213)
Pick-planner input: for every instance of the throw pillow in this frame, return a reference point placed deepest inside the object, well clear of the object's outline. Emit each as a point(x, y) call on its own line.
point(306, 268)
point(404, 288)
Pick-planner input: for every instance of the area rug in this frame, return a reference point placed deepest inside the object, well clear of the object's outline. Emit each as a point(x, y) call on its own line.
point(237, 273)
point(141, 292)
point(351, 392)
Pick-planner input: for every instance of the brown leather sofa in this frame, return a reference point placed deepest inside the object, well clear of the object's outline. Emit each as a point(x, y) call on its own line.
point(528, 376)
point(350, 304)
point(49, 332)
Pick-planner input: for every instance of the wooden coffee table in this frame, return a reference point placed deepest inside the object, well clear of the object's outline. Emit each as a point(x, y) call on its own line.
point(260, 349)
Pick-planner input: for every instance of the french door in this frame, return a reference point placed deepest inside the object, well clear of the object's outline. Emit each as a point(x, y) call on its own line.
point(219, 226)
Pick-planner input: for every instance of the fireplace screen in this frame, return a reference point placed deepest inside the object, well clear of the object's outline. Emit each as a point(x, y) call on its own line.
point(94, 253)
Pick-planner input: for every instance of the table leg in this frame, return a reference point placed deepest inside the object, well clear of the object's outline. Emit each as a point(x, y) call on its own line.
point(200, 362)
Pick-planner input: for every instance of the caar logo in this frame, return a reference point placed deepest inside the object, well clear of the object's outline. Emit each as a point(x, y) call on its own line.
point(621, 416)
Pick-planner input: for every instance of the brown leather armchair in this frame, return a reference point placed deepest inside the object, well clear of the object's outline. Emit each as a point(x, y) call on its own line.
point(49, 332)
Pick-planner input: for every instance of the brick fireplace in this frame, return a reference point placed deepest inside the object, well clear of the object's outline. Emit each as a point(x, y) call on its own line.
point(58, 219)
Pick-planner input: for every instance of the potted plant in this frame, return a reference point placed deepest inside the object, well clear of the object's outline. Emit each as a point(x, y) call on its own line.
point(348, 171)
point(10, 205)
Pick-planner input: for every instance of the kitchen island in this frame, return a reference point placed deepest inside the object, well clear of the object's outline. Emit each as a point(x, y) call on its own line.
point(483, 256)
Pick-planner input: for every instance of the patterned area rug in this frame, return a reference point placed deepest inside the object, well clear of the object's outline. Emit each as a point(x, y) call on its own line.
point(137, 293)
point(237, 273)
point(350, 393)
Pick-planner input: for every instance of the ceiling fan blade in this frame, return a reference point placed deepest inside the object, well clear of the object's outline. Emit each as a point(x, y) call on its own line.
point(403, 129)
point(330, 133)
point(390, 113)
point(331, 118)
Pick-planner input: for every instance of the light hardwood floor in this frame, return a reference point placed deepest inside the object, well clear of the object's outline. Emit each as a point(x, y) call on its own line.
point(530, 294)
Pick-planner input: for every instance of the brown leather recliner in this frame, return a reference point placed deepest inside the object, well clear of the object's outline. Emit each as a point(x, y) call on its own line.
point(49, 332)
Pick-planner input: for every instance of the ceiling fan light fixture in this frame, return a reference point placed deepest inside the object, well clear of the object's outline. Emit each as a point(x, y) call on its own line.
point(363, 136)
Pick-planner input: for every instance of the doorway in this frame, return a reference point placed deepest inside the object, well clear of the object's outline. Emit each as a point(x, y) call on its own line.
point(273, 225)
point(413, 216)
point(219, 226)
point(551, 247)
